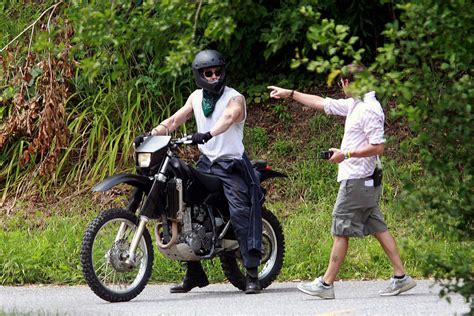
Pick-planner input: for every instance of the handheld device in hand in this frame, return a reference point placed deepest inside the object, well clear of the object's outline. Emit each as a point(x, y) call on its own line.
point(326, 154)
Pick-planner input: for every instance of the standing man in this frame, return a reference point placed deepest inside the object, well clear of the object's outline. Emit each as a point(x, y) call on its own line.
point(220, 114)
point(356, 212)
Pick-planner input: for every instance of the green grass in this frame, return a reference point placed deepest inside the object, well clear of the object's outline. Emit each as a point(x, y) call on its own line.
point(38, 247)
point(309, 241)
point(42, 244)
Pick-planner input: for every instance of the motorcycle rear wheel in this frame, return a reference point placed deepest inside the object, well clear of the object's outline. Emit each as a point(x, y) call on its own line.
point(273, 249)
point(104, 252)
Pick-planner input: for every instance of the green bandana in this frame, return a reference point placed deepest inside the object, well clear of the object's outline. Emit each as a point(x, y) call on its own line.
point(209, 101)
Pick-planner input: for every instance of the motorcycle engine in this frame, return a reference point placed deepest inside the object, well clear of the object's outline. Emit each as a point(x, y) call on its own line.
point(197, 229)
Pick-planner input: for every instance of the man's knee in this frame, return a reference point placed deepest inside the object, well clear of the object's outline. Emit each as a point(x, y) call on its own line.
point(341, 240)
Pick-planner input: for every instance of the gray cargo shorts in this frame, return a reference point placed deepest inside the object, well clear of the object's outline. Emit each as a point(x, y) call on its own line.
point(356, 212)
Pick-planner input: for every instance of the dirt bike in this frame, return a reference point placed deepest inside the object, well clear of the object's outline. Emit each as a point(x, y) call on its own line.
point(191, 222)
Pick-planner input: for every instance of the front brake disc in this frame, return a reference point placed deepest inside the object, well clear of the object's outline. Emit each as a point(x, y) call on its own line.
point(118, 256)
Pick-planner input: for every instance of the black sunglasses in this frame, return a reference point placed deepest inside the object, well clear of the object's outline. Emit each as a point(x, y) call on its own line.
point(209, 73)
point(341, 81)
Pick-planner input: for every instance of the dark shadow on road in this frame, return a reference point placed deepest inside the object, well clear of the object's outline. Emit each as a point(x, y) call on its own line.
point(211, 294)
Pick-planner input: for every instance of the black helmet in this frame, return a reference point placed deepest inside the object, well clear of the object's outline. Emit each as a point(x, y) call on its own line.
point(205, 59)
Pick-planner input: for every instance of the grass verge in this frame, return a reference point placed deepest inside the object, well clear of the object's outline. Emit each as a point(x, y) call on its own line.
point(36, 247)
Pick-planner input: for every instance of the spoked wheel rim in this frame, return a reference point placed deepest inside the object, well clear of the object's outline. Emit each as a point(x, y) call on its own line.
point(273, 251)
point(269, 249)
point(109, 254)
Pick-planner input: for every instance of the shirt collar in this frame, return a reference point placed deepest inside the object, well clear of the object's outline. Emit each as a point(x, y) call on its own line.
point(369, 95)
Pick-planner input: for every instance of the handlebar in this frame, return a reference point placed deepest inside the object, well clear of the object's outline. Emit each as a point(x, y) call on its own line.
point(186, 140)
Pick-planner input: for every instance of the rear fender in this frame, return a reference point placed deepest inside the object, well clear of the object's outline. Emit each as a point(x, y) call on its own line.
point(268, 174)
point(142, 182)
point(264, 171)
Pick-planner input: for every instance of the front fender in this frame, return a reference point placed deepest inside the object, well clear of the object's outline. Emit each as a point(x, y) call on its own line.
point(142, 182)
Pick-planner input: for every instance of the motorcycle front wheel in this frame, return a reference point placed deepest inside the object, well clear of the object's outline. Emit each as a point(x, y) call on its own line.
point(273, 251)
point(104, 255)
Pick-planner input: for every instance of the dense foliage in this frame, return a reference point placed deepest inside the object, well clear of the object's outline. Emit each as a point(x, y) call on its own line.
point(86, 77)
point(131, 62)
point(427, 66)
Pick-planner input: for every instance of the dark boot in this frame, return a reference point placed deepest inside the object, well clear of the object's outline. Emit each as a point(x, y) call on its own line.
point(195, 276)
point(253, 284)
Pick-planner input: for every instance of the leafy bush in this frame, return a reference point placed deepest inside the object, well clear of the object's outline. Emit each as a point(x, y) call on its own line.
point(102, 72)
point(426, 65)
point(130, 68)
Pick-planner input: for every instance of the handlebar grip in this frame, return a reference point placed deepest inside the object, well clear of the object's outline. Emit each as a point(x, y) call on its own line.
point(186, 140)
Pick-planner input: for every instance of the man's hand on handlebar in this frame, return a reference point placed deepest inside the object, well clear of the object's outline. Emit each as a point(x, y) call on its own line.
point(139, 140)
point(194, 139)
point(201, 138)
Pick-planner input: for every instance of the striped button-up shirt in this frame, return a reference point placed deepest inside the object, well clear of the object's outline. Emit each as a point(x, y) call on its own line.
point(364, 125)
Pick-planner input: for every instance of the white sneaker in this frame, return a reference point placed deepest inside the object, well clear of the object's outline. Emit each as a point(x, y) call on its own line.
point(397, 286)
point(317, 288)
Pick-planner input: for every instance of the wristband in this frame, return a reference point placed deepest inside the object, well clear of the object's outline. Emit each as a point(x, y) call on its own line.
point(167, 129)
point(347, 155)
point(291, 94)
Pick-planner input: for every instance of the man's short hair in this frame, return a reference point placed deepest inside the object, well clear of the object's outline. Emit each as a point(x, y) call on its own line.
point(351, 70)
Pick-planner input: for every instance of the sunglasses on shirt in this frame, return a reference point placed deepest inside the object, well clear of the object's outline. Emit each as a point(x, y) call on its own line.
point(343, 82)
point(209, 73)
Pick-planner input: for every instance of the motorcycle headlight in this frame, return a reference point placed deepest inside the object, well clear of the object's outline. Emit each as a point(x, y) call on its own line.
point(144, 160)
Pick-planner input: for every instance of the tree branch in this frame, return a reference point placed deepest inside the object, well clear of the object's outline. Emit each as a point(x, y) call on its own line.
point(31, 25)
point(196, 19)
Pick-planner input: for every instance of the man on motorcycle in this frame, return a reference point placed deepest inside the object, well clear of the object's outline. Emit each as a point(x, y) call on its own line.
point(220, 114)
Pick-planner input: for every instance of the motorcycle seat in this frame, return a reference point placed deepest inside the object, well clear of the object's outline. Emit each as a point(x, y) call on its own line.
point(210, 182)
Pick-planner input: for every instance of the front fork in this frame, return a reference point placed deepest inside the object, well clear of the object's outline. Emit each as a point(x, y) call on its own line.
point(136, 239)
point(148, 208)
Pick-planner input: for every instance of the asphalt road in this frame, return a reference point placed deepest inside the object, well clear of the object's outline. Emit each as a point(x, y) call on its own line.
point(352, 298)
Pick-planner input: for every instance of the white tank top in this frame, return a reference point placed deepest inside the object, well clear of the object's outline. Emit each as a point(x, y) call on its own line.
point(228, 145)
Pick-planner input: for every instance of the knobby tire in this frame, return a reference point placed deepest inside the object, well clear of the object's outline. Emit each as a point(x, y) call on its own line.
point(86, 257)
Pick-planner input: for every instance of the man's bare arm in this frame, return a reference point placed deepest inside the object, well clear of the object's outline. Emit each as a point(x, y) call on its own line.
point(310, 100)
point(364, 151)
point(174, 121)
point(234, 113)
